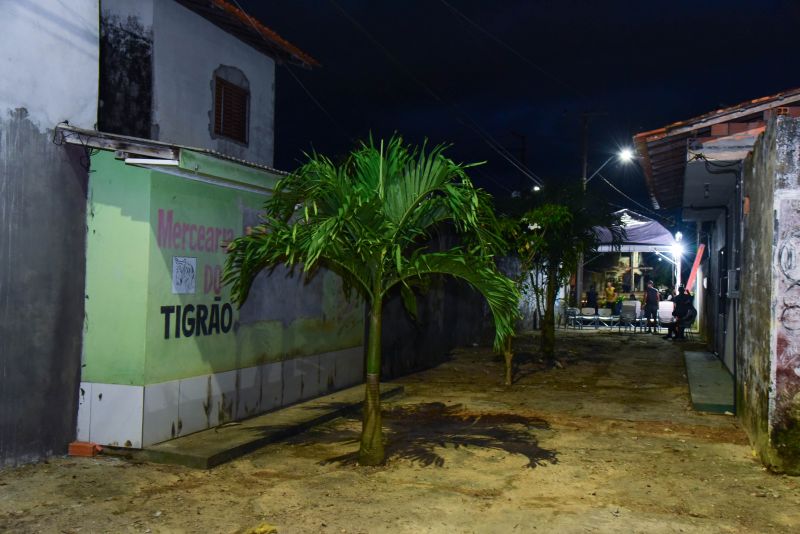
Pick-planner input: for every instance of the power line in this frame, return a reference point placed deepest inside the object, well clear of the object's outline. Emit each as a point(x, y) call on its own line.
point(299, 82)
point(463, 118)
point(511, 49)
point(492, 178)
point(645, 208)
point(319, 104)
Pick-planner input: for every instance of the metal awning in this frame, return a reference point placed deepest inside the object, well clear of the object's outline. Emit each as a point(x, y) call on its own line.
point(191, 163)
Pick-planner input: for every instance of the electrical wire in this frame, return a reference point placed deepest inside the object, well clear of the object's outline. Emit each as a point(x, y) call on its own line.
point(492, 178)
point(316, 102)
point(462, 117)
point(645, 208)
point(300, 83)
point(513, 50)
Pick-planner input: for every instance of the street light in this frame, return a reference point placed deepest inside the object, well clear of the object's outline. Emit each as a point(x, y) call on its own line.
point(677, 252)
point(625, 155)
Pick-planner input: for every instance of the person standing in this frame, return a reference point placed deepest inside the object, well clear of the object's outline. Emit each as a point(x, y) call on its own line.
point(611, 293)
point(591, 298)
point(651, 300)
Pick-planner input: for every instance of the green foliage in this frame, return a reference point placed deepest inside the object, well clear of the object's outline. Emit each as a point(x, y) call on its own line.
point(550, 236)
point(369, 219)
point(560, 228)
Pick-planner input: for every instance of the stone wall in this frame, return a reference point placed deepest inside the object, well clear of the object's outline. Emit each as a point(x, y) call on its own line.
point(768, 352)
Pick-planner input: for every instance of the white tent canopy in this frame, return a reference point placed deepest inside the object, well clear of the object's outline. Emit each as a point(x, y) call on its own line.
point(642, 234)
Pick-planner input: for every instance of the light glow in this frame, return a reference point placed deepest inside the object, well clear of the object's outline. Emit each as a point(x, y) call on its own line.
point(626, 155)
point(677, 250)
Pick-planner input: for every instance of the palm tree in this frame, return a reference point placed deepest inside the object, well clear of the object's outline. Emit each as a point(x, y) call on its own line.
point(560, 229)
point(369, 220)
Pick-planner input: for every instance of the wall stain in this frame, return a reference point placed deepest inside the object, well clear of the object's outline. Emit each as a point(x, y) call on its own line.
point(126, 77)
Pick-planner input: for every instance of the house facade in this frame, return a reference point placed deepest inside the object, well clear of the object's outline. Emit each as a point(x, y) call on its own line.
point(733, 172)
point(197, 73)
point(136, 140)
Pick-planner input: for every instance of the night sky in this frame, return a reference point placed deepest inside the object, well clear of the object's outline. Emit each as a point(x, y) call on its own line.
point(522, 73)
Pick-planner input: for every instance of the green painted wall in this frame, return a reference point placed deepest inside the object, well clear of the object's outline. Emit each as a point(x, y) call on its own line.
point(118, 226)
point(166, 234)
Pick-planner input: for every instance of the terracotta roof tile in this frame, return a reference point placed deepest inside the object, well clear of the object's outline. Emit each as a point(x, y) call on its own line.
point(250, 30)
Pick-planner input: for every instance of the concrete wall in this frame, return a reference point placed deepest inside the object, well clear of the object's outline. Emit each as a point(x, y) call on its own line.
point(768, 351)
point(450, 314)
point(187, 50)
point(50, 61)
point(42, 220)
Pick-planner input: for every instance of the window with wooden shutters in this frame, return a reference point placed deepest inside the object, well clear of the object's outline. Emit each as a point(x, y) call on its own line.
point(231, 109)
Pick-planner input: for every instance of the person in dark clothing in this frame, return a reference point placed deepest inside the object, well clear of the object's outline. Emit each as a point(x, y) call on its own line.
point(591, 298)
point(651, 300)
point(683, 314)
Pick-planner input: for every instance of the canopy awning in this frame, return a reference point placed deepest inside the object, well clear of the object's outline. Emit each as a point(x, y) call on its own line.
point(642, 234)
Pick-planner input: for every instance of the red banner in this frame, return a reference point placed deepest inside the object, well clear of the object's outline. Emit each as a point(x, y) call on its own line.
point(695, 267)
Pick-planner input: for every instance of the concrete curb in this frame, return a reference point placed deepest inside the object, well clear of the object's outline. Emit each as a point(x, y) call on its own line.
point(215, 446)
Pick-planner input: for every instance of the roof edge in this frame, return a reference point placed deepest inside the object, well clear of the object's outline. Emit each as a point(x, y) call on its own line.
point(721, 115)
point(64, 133)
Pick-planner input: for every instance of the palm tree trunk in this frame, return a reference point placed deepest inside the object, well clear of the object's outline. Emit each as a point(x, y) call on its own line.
point(371, 451)
point(548, 345)
point(508, 354)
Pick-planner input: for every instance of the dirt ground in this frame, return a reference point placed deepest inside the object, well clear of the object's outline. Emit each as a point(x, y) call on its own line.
point(609, 443)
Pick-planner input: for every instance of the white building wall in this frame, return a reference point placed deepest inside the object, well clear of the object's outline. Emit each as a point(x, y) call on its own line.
point(187, 49)
point(49, 60)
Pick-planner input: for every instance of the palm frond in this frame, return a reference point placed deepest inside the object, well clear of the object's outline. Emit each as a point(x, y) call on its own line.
point(370, 218)
point(479, 272)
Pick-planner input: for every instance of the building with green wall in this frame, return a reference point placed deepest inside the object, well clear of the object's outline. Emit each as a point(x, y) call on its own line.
point(166, 353)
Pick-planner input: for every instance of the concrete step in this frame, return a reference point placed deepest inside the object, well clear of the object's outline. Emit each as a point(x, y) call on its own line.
point(212, 447)
point(710, 383)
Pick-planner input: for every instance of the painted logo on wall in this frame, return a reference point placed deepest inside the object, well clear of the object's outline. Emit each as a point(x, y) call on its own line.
point(209, 241)
point(183, 275)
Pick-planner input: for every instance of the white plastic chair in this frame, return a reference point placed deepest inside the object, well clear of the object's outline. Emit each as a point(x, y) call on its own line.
point(605, 317)
point(589, 317)
point(665, 308)
point(573, 318)
point(630, 315)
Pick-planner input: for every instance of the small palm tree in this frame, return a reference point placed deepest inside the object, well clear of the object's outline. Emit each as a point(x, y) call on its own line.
point(369, 220)
point(562, 228)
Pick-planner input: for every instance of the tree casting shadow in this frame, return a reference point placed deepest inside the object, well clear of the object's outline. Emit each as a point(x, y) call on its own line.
point(415, 432)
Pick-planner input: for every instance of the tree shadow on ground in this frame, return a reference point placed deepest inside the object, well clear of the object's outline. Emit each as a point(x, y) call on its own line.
point(530, 361)
point(415, 432)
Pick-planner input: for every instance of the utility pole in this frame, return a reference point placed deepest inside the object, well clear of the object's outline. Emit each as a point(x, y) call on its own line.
point(585, 116)
point(584, 173)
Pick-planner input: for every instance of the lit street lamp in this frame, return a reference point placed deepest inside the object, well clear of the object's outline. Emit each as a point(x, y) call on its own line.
point(677, 252)
point(625, 155)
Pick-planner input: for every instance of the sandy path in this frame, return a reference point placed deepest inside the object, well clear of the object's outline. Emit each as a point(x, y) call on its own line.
point(608, 444)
